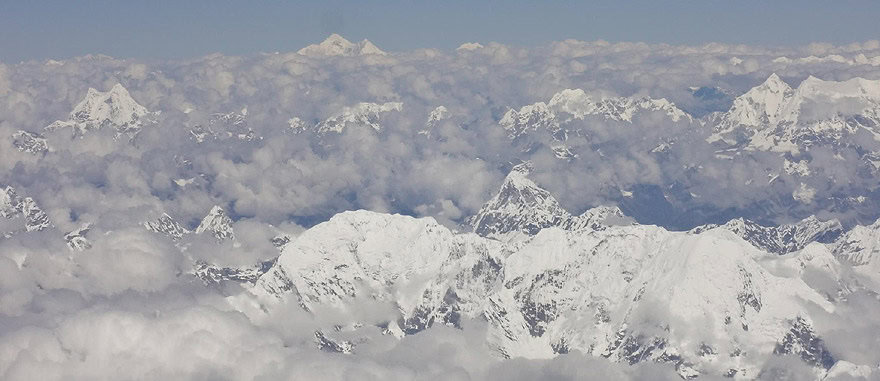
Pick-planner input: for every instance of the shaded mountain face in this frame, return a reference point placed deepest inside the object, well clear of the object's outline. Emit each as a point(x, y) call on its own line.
point(521, 206)
point(781, 239)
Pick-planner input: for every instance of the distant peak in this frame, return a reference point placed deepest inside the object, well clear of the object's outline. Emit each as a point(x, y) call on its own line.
point(336, 45)
point(468, 46)
point(113, 108)
point(367, 47)
point(217, 223)
point(334, 39)
point(774, 82)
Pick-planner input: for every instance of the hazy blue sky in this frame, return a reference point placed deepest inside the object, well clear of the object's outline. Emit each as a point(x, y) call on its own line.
point(175, 29)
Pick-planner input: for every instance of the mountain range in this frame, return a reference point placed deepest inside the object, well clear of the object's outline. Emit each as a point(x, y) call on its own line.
point(716, 299)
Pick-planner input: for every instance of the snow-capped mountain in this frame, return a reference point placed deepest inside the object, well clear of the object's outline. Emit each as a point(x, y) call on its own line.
point(575, 104)
point(706, 302)
point(220, 126)
point(781, 239)
point(13, 206)
point(469, 46)
point(362, 114)
point(30, 142)
point(76, 240)
point(27, 217)
point(860, 248)
point(166, 225)
point(437, 115)
point(217, 223)
point(114, 109)
point(776, 117)
point(214, 275)
point(336, 45)
point(521, 206)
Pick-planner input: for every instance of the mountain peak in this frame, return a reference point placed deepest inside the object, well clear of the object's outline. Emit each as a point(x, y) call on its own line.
point(576, 104)
point(114, 108)
point(469, 46)
point(521, 206)
point(363, 114)
point(335, 38)
point(165, 224)
point(367, 47)
point(336, 45)
point(760, 105)
point(217, 223)
point(775, 81)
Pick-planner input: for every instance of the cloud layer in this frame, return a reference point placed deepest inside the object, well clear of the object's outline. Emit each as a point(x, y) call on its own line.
point(128, 309)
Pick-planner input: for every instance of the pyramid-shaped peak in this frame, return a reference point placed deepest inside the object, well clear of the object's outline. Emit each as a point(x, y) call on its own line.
point(119, 89)
point(367, 47)
point(335, 39)
point(217, 223)
point(774, 82)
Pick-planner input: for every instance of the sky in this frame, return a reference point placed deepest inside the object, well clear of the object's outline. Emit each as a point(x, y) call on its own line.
point(173, 29)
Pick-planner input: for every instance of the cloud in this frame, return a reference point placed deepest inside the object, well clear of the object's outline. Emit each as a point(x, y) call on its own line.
point(131, 302)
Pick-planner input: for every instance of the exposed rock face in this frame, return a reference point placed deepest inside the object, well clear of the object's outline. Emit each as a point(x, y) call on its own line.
point(217, 223)
point(781, 239)
point(521, 206)
point(802, 341)
point(168, 226)
point(30, 142)
point(571, 105)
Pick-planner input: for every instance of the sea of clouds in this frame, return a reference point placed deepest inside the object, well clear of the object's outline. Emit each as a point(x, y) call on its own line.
point(128, 309)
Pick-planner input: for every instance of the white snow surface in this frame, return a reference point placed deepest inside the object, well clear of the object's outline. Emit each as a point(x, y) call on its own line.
point(603, 292)
point(576, 104)
point(114, 109)
point(336, 45)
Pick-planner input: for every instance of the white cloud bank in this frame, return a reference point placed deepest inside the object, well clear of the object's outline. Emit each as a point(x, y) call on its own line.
point(127, 309)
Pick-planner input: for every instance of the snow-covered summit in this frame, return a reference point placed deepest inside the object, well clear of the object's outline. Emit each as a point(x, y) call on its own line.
point(781, 239)
point(707, 303)
point(469, 46)
point(166, 225)
point(336, 45)
point(774, 116)
point(217, 223)
point(221, 126)
point(521, 206)
point(362, 114)
point(760, 105)
point(13, 206)
point(576, 104)
point(437, 115)
point(112, 109)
